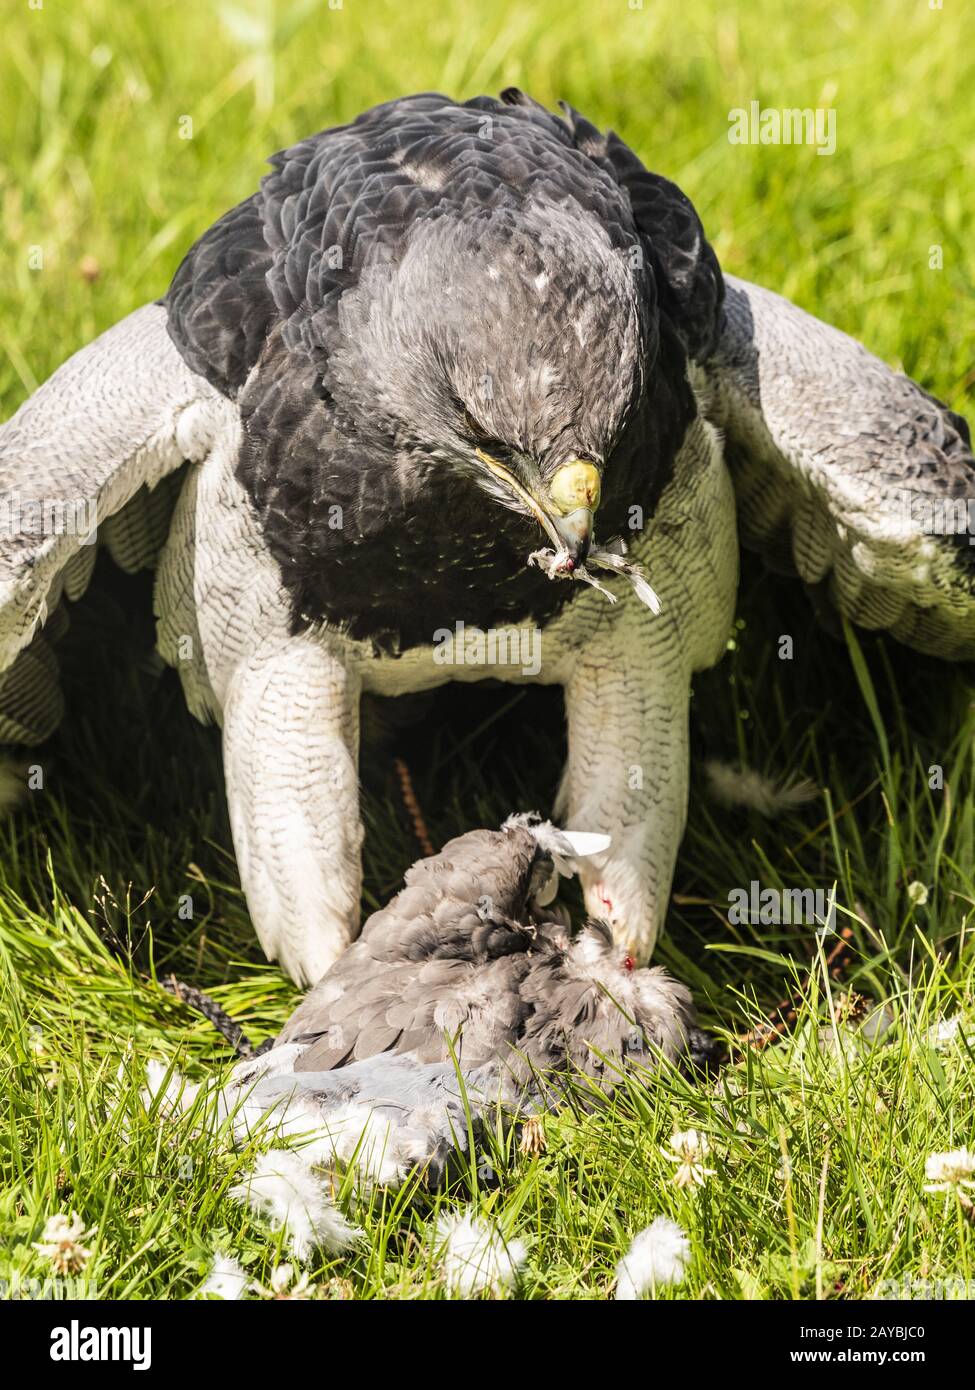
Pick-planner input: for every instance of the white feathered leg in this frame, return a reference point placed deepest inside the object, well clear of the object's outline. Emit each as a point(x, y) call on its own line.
point(626, 773)
point(627, 696)
point(289, 706)
point(290, 740)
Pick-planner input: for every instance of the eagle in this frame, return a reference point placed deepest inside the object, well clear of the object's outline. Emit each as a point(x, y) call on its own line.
point(465, 371)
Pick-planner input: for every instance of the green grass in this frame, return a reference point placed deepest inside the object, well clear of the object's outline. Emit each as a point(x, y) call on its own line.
point(818, 1153)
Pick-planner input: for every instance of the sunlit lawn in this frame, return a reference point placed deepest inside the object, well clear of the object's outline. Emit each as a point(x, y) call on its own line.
point(818, 1145)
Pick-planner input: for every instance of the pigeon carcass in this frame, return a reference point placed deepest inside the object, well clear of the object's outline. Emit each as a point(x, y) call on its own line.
point(434, 340)
point(461, 998)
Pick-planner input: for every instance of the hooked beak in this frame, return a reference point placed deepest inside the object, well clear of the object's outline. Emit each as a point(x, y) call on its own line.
point(566, 513)
point(575, 535)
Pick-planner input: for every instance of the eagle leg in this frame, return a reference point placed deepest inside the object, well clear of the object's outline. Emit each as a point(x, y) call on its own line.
point(627, 693)
point(291, 747)
point(627, 774)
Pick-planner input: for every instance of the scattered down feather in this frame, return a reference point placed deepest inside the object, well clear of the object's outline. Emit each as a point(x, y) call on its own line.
point(284, 1188)
point(753, 791)
point(658, 1256)
point(475, 1257)
point(227, 1280)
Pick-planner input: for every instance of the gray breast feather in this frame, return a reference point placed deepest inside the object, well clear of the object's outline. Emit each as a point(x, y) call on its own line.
point(385, 1116)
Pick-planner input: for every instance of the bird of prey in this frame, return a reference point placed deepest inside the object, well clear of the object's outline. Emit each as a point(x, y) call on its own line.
point(461, 991)
point(448, 360)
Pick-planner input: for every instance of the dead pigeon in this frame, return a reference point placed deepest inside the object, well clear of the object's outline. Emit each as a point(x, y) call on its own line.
point(462, 994)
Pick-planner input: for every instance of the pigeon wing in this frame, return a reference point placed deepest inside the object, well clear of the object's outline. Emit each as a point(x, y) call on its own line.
point(422, 967)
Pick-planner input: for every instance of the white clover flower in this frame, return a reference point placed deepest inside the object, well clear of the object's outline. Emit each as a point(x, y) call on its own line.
point(285, 1286)
point(917, 892)
point(689, 1150)
point(657, 1256)
point(533, 1139)
point(61, 1242)
point(950, 1172)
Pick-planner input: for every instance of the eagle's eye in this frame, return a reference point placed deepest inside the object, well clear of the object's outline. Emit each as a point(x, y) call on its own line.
point(485, 441)
point(474, 428)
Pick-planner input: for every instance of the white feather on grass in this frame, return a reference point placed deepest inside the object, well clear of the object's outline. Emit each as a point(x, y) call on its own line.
point(751, 789)
point(657, 1257)
point(227, 1279)
point(945, 1031)
point(476, 1258)
point(171, 1089)
point(284, 1188)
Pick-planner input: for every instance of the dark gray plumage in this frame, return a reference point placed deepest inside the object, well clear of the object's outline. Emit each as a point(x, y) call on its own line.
point(462, 973)
point(398, 292)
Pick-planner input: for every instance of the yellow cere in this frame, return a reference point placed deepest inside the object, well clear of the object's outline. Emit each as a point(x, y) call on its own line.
point(575, 485)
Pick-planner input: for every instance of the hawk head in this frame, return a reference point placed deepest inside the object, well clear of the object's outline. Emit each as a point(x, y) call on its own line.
point(512, 349)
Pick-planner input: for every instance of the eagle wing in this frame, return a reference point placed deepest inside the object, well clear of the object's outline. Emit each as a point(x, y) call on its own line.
point(83, 460)
point(846, 472)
